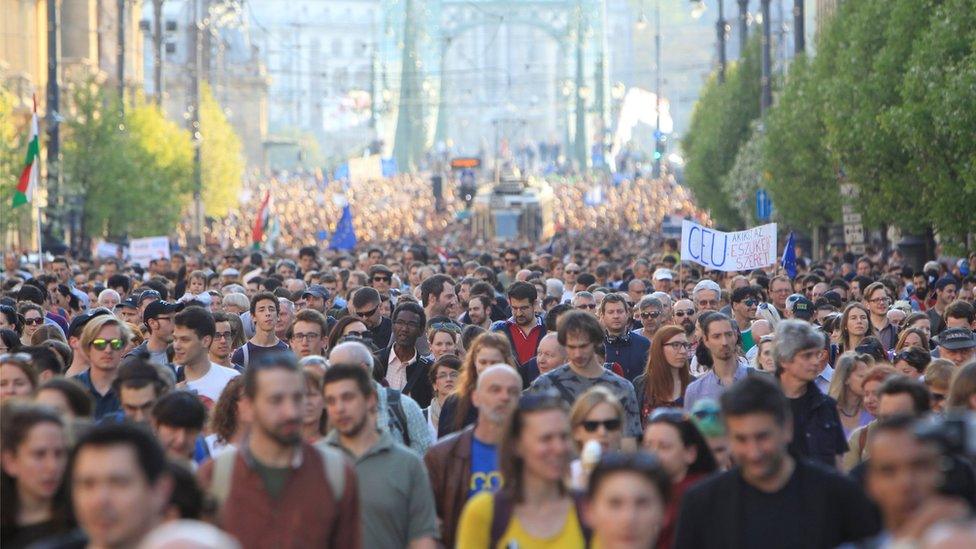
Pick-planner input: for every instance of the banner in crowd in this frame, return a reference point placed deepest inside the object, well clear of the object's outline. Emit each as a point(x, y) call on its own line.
point(142, 250)
point(738, 251)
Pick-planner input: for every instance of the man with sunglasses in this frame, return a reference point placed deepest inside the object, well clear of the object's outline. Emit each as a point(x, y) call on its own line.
point(745, 303)
point(381, 279)
point(510, 264)
point(365, 305)
point(649, 312)
point(158, 317)
point(103, 340)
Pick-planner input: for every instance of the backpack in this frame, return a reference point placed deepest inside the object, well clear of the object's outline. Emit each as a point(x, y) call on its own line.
point(398, 417)
point(501, 515)
point(333, 463)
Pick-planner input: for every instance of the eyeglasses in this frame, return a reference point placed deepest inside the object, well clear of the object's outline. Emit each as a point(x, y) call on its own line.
point(306, 337)
point(410, 323)
point(353, 333)
point(34, 321)
point(369, 313)
point(571, 271)
point(100, 344)
point(678, 345)
point(650, 314)
point(885, 300)
point(684, 313)
point(446, 327)
point(223, 335)
point(608, 424)
point(453, 374)
point(587, 306)
point(382, 279)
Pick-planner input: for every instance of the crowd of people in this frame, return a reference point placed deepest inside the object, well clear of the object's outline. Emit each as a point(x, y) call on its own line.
point(596, 393)
point(303, 206)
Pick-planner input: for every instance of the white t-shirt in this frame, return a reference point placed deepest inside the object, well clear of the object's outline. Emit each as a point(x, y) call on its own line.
point(209, 387)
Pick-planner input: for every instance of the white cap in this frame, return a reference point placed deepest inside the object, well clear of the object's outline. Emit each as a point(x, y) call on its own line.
point(230, 271)
point(663, 274)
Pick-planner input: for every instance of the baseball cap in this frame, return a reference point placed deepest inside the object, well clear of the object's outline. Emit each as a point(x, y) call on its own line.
point(149, 294)
point(833, 298)
point(802, 308)
point(946, 281)
point(956, 338)
point(663, 274)
point(160, 307)
point(130, 302)
point(79, 321)
point(317, 290)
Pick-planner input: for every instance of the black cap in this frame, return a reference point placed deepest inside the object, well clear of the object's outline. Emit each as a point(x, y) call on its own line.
point(79, 321)
point(833, 298)
point(317, 290)
point(130, 302)
point(146, 294)
point(157, 308)
point(956, 338)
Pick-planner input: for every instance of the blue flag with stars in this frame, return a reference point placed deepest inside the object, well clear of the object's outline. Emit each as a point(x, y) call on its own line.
point(789, 257)
point(344, 237)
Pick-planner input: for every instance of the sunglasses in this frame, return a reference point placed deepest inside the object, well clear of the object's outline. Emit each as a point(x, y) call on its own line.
point(353, 333)
point(608, 424)
point(33, 321)
point(16, 357)
point(572, 272)
point(750, 302)
point(687, 312)
point(382, 279)
point(367, 314)
point(651, 314)
point(587, 306)
point(100, 344)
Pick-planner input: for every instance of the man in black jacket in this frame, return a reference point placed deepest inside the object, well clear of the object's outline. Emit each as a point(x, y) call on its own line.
point(771, 499)
point(400, 364)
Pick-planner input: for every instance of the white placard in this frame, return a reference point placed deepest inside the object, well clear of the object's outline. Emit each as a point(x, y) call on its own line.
point(738, 251)
point(142, 250)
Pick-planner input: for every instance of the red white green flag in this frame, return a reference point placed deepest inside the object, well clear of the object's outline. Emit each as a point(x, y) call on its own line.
point(261, 221)
point(27, 184)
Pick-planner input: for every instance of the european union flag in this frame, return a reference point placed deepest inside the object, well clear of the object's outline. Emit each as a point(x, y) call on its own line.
point(344, 237)
point(789, 257)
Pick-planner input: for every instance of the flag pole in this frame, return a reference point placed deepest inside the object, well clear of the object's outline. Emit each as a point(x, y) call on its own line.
point(37, 207)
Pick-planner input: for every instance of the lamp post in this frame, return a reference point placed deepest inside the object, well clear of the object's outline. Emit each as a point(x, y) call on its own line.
point(799, 36)
point(743, 26)
point(720, 33)
point(766, 99)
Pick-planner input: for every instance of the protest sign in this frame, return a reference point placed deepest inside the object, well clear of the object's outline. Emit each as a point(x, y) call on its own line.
point(142, 250)
point(738, 251)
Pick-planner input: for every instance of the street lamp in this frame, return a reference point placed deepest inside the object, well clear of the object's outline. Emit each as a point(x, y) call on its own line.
point(697, 10)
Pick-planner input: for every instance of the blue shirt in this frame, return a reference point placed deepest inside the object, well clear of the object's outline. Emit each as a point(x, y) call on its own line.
point(710, 386)
point(104, 404)
point(484, 468)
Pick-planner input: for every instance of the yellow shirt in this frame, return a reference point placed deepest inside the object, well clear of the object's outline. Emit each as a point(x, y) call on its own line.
point(474, 530)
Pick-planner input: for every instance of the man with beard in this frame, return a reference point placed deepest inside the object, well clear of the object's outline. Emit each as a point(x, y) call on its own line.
point(274, 474)
point(684, 314)
point(394, 490)
point(524, 330)
point(771, 499)
point(438, 297)
point(479, 307)
point(718, 336)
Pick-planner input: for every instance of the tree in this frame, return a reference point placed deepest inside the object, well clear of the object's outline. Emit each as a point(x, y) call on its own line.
point(131, 171)
point(221, 155)
point(13, 147)
point(864, 55)
point(800, 175)
point(936, 120)
point(747, 176)
point(719, 126)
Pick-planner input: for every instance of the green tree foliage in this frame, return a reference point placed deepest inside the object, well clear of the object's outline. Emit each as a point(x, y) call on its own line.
point(132, 171)
point(865, 53)
point(222, 157)
point(720, 124)
point(747, 176)
point(799, 173)
point(14, 133)
point(936, 119)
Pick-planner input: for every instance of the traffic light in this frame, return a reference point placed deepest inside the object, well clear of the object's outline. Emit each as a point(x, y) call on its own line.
point(659, 148)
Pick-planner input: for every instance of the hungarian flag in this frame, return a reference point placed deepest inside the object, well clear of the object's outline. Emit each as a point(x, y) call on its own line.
point(261, 221)
point(28, 177)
